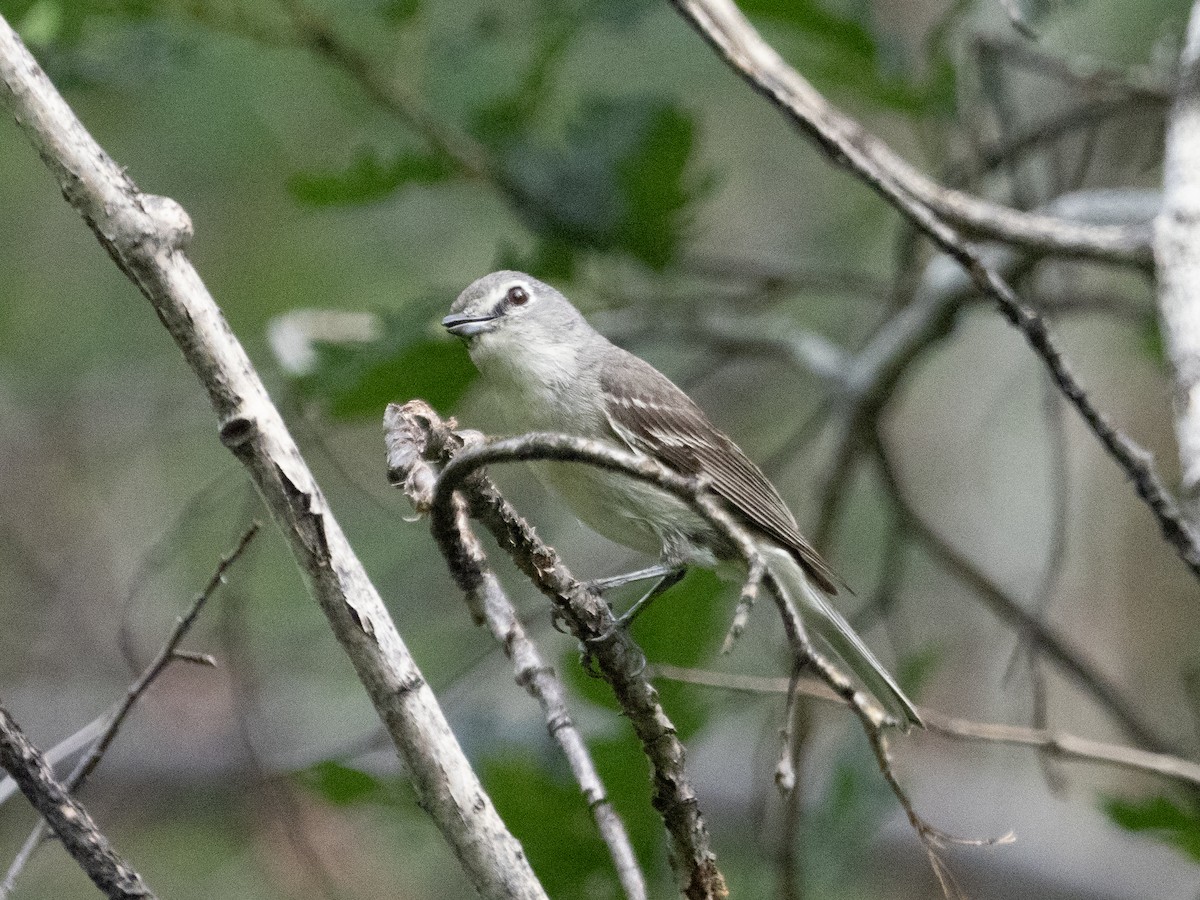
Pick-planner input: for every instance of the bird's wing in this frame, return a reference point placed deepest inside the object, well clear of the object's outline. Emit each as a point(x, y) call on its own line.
point(648, 412)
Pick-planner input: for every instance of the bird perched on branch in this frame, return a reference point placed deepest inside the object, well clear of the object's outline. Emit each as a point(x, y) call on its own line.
point(551, 371)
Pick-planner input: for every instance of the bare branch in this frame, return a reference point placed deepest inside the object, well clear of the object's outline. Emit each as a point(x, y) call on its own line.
point(847, 143)
point(486, 596)
point(1071, 660)
point(1054, 743)
point(147, 238)
point(1087, 76)
point(930, 207)
point(70, 821)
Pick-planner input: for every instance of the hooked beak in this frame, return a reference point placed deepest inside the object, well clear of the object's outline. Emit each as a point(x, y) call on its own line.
point(467, 326)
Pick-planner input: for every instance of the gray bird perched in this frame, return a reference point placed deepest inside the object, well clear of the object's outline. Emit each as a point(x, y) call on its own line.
point(551, 371)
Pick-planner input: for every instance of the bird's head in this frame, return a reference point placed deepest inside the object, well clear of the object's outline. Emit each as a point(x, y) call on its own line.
point(511, 314)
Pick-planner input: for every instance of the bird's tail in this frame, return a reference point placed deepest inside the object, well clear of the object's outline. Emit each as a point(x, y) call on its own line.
point(827, 623)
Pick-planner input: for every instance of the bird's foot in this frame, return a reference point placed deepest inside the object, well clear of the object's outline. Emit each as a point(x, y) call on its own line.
point(667, 579)
point(601, 585)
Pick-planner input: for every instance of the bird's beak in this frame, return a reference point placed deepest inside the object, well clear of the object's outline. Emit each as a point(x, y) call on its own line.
point(467, 326)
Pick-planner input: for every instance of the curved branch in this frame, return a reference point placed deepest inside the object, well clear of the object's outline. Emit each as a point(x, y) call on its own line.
point(147, 237)
point(416, 430)
point(847, 143)
point(407, 430)
point(930, 207)
point(541, 564)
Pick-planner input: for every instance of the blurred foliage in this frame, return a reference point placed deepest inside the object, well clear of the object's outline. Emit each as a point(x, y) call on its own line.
point(358, 379)
point(848, 812)
point(613, 148)
point(1161, 818)
point(369, 178)
point(549, 813)
point(343, 785)
point(617, 183)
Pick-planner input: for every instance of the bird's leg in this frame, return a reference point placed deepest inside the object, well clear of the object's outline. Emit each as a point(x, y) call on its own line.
point(668, 577)
point(671, 578)
point(600, 585)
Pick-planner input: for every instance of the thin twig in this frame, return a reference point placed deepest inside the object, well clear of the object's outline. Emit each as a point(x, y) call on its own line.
point(1093, 79)
point(169, 652)
point(847, 143)
point(791, 848)
point(86, 765)
point(1054, 743)
point(70, 821)
point(1071, 660)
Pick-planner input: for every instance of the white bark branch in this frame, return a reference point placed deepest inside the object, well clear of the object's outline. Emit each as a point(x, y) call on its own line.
point(1177, 253)
point(147, 236)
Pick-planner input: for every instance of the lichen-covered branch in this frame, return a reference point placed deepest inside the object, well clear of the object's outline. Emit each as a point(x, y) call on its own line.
point(407, 432)
point(415, 430)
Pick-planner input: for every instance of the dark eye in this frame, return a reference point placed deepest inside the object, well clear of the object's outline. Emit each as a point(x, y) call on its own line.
point(517, 296)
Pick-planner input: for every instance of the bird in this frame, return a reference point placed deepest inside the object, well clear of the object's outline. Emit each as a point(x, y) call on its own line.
point(548, 369)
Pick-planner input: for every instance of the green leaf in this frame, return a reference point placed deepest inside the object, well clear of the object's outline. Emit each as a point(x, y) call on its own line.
point(370, 178)
point(838, 50)
point(617, 183)
point(405, 362)
point(342, 785)
point(549, 260)
point(1152, 342)
point(915, 669)
point(1162, 818)
point(551, 819)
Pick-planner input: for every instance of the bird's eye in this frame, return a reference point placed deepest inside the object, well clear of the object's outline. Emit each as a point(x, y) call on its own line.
point(517, 296)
